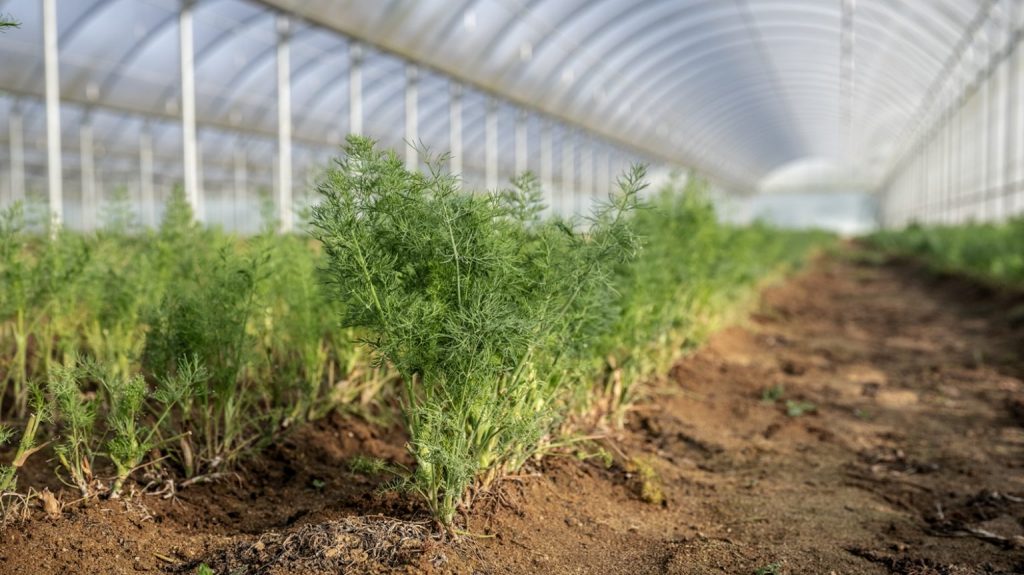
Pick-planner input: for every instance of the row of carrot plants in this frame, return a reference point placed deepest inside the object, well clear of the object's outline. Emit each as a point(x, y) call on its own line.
point(988, 251)
point(479, 321)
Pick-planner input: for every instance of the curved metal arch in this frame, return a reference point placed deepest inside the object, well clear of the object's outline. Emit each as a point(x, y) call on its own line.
point(655, 71)
point(427, 101)
point(500, 38)
point(665, 95)
point(550, 39)
point(640, 40)
point(715, 132)
point(661, 99)
point(391, 96)
point(241, 76)
point(446, 27)
point(648, 38)
point(100, 8)
point(826, 78)
point(207, 51)
point(645, 28)
point(379, 82)
point(74, 27)
point(267, 106)
point(299, 74)
point(270, 52)
point(709, 65)
point(514, 94)
point(135, 49)
point(683, 13)
point(733, 133)
point(738, 102)
point(203, 54)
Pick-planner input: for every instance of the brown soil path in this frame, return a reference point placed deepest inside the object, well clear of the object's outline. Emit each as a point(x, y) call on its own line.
point(911, 462)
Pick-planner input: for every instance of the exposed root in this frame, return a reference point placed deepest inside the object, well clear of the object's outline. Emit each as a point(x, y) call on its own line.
point(336, 546)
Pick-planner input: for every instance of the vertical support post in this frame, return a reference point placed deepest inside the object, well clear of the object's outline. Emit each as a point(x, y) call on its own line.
point(411, 117)
point(284, 124)
point(586, 170)
point(355, 89)
point(188, 106)
point(983, 134)
point(522, 152)
point(88, 173)
point(55, 174)
point(200, 206)
point(919, 192)
point(491, 145)
point(546, 158)
point(925, 204)
point(17, 144)
point(603, 172)
point(1012, 103)
point(241, 177)
point(846, 71)
point(991, 127)
point(455, 127)
point(997, 154)
point(569, 170)
point(947, 162)
point(146, 177)
point(954, 154)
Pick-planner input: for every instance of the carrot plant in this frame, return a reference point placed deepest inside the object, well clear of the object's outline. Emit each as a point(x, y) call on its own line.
point(478, 304)
point(27, 445)
point(76, 414)
point(208, 319)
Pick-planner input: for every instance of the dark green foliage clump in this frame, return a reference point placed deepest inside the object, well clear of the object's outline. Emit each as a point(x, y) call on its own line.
point(480, 305)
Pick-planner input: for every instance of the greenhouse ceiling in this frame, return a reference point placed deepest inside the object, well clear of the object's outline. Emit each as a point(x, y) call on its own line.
point(738, 89)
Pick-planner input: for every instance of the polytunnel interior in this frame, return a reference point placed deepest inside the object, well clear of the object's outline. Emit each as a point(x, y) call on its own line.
point(915, 106)
point(645, 287)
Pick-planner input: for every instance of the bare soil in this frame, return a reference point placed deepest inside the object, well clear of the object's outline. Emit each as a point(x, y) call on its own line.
point(896, 445)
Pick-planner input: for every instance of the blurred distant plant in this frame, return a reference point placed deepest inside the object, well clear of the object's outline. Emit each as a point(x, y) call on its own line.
point(7, 21)
point(693, 271)
point(118, 213)
point(992, 252)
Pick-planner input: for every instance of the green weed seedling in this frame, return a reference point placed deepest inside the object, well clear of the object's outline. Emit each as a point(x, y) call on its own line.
point(773, 394)
point(796, 408)
point(770, 569)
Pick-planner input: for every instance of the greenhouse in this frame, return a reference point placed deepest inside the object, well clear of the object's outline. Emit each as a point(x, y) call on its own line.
point(511, 286)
